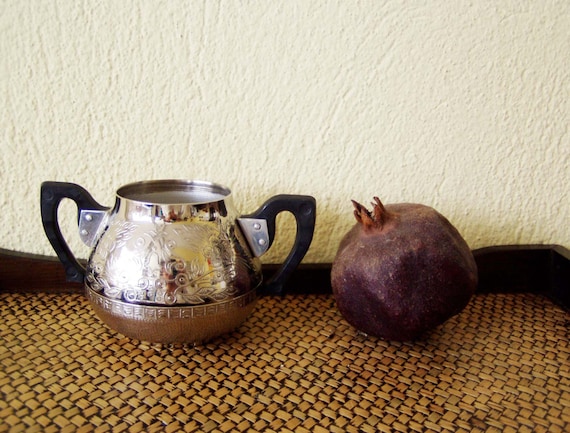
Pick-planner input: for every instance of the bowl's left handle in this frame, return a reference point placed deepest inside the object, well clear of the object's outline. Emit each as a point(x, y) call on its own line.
point(52, 193)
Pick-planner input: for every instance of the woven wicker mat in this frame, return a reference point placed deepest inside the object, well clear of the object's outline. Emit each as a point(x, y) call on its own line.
point(503, 364)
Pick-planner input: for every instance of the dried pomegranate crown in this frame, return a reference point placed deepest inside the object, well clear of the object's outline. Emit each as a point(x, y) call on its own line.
point(374, 220)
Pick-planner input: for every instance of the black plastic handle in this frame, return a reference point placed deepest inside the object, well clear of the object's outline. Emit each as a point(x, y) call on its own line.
point(303, 208)
point(52, 193)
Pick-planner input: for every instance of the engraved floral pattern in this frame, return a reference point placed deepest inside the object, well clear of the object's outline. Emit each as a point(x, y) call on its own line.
point(164, 263)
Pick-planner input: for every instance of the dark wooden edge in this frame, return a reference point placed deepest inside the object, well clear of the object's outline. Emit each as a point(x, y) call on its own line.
point(525, 268)
point(28, 273)
point(509, 269)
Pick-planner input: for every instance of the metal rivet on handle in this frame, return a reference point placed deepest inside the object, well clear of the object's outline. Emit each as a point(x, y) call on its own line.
point(256, 233)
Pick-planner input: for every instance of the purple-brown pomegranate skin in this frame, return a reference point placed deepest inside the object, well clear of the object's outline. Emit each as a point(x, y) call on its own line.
point(402, 270)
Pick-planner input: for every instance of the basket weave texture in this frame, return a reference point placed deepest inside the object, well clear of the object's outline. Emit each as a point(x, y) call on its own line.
point(503, 364)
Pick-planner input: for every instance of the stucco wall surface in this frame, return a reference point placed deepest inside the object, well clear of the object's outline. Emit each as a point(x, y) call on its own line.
point(460, 105)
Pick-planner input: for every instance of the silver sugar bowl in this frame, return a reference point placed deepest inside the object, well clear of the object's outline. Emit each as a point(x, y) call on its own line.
point(172, 261)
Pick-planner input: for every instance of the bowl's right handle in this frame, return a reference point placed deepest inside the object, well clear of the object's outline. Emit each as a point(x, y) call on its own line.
point(303, 208)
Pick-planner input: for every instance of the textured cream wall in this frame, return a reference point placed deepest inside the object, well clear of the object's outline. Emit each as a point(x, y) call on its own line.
point(461, 105)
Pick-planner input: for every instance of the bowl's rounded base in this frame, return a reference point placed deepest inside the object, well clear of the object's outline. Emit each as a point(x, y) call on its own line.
point(192, 324)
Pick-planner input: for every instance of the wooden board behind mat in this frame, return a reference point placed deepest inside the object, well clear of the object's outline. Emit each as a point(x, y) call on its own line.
point(504, 268)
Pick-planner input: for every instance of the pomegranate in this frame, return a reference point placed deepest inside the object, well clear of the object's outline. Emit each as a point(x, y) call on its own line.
point(402, 270)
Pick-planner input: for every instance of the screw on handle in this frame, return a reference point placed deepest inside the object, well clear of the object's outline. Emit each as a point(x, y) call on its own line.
point(303, 208)
point(52, 193)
